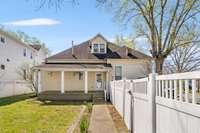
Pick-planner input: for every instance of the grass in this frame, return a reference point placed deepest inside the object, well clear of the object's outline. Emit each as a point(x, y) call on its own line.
point(22, 114)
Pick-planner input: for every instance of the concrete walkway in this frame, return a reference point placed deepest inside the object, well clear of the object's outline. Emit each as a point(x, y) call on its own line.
point(101, 121)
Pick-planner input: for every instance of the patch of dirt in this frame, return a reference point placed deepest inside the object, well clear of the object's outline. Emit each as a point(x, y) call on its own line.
point(117, 119)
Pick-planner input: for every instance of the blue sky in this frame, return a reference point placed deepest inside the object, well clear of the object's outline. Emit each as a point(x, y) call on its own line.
point(57, 28)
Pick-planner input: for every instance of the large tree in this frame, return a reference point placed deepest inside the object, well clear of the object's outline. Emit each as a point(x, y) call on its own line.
point(162, 22)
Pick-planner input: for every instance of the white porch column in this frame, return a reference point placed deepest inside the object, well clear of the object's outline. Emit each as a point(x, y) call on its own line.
point(62, 82)
point(86, 82)
point(107, 85)
point(34, 78)
point(107, 80)
point(39, 82)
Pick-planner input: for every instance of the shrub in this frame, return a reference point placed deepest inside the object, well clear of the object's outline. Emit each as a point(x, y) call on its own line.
point(89, 107)
point(84, 125)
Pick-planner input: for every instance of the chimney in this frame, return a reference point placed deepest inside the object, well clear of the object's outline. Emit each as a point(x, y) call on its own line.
point(72, 48)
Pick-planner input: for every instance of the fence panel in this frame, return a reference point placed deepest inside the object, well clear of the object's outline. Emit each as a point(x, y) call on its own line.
point(173, 109)
point(177, 109)
point(119, 96)
point(16, 87)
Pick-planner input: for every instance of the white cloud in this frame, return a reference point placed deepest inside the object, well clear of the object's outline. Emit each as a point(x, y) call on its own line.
point(34, 22)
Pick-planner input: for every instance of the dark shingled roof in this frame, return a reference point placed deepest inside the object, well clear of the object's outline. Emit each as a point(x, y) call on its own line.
point(36, 46)
point(75, 66)
point(83, 51)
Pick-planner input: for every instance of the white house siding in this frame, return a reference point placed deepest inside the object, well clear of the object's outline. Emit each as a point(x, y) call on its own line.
point(40, 57)
point(12, 56)
point(131, 69)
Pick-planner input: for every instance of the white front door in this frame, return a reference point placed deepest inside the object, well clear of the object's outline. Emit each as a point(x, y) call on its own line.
point(99, 81)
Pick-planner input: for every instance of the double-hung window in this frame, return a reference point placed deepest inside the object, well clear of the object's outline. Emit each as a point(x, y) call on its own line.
point(24, 52)
point(99, 48)
point(95, 48)
point(118, 72)
point(102, 48)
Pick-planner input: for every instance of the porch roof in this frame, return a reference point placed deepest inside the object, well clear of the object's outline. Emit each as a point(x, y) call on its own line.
point(74, 66)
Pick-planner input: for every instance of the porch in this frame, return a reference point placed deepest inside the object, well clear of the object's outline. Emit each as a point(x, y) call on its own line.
point(71, 84)
point(94, 96)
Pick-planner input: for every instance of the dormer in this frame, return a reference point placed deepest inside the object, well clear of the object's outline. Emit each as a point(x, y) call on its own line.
point(98, 44)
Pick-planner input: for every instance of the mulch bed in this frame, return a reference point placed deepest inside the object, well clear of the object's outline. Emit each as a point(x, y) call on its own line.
point(117, 119)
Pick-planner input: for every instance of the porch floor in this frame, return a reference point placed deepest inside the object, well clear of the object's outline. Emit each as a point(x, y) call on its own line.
point(72, 95)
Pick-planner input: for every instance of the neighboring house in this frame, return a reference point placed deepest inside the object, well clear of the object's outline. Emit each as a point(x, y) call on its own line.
point(41, 54)
point(88, 67)
point(15, 57)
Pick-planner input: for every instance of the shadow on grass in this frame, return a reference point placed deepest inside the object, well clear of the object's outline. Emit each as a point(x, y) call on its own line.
point(49, 103)
point(14, 99)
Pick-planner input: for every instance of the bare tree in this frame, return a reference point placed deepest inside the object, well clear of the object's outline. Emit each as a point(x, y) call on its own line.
point(57, 4)
point(162, 22)
point(24, 71)
point(184, 59)
point(124, 41)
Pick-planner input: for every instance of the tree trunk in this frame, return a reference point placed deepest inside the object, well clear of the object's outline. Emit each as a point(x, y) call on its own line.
point(159, 65)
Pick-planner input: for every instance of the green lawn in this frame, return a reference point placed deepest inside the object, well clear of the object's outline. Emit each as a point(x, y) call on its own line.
point(23, 114)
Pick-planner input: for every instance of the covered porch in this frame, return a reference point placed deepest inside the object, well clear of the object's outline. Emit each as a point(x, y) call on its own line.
point(73, 84)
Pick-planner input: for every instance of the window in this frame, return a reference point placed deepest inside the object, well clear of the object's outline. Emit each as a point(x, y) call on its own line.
point(2, 39)
point(102, 48)
point(99, 48)
point(95, 48)
point(31, 56)
point(79, 75)
point(24, 52)
point(118, 72)
point(2, 67)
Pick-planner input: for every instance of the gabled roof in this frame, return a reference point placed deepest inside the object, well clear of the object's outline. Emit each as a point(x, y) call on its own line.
point(36, 47)
point(83, 51)
point(17, 40)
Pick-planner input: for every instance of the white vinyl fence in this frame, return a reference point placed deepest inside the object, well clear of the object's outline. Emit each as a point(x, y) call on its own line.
point(159, 104)
point(16, 87)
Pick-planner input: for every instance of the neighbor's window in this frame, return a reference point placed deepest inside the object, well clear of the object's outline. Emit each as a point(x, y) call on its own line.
point(24, 52)
point(102, 48)
point(31, 56)
point(95, 48)
point(2, 67)
point(2, 39)
point(118, 72)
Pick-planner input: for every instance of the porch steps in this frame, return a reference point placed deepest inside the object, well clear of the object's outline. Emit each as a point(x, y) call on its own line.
point(98, 97)
point(94, 96)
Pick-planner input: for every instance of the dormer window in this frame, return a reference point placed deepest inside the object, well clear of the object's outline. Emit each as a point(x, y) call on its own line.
point(102, 48)
point(95, 48)
point(99, 48)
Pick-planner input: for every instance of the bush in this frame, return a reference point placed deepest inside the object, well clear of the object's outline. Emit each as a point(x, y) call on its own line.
point(89, 107)
point(84, 125)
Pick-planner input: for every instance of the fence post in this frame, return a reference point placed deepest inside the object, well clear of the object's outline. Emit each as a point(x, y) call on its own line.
point(114, 93)
point(152, 103)
point(124, 91)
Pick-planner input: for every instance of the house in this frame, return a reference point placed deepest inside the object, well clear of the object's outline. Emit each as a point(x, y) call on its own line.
point(87, 68)
point(16, 59)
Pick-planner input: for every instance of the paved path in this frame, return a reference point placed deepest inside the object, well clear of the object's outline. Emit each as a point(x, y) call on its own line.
point(101, 121)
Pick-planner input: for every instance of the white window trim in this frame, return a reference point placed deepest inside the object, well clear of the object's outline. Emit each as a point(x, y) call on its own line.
point(115, 71)
point(105, 50)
